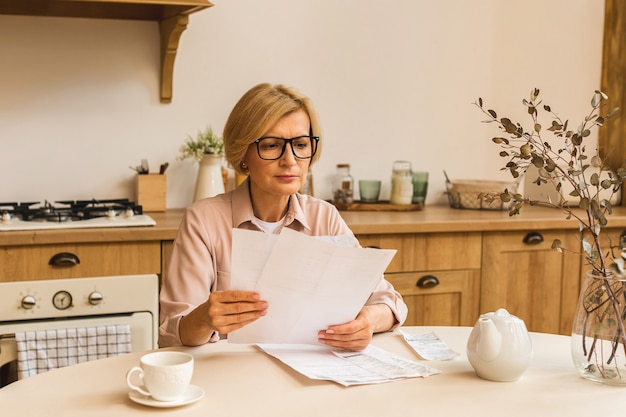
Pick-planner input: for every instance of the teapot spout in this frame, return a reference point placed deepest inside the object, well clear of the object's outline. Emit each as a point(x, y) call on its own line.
point(490, 340)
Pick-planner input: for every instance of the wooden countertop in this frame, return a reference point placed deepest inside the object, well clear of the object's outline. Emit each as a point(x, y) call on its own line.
point(432, 219)
point(165, 229)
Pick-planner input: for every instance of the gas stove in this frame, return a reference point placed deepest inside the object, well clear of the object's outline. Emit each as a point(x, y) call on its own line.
point(75, 214)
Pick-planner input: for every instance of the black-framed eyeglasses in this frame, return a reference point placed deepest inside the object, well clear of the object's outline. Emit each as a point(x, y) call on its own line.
point(271, 148)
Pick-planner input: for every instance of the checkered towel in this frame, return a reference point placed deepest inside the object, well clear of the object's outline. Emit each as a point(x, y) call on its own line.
point(43, 350)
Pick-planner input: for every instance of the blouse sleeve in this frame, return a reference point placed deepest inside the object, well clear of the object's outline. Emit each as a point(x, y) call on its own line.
point(190, 277)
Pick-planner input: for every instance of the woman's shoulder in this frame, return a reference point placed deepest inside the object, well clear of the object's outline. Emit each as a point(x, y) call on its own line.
point(210, 206)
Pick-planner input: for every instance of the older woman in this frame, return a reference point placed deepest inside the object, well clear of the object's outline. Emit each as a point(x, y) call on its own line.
point(272, 134)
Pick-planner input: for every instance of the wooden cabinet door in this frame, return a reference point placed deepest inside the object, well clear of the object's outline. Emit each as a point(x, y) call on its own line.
point(522, 273)
point(451, 299)
point(453, 259)
point(429, 251)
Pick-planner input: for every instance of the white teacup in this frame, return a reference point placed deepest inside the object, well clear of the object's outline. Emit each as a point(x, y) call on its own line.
point(165, 375)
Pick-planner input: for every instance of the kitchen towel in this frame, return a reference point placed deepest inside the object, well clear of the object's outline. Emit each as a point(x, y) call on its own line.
point(42, 350)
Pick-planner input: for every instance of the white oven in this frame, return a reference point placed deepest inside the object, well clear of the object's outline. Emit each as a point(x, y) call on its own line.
point(59, 304)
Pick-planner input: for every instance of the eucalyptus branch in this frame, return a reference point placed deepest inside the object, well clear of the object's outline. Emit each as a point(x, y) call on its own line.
point(565, 164)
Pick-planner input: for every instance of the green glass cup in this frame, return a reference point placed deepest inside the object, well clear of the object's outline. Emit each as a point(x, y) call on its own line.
point(369, 190)
point(420, 186)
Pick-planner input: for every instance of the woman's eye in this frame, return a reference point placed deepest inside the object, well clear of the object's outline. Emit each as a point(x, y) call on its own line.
point(269, 145)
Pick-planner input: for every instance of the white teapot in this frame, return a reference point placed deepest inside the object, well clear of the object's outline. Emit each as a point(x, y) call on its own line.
point(499, 346)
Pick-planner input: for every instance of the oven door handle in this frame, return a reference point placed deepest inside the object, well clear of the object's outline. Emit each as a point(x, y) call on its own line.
point(64, 259)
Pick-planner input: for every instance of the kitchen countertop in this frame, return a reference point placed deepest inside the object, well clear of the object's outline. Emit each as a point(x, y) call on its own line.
point(165, 229)
point(432, 219)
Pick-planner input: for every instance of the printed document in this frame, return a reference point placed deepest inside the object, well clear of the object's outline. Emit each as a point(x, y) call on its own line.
point(370, 366)
point(309, 283)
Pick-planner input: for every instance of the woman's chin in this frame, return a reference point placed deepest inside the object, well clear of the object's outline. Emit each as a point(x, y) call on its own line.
point(289, 188)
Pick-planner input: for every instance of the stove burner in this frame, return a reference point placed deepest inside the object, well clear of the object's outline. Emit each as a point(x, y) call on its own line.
point(68, 210)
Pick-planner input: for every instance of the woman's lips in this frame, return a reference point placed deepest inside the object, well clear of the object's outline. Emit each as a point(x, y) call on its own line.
point(287, 177)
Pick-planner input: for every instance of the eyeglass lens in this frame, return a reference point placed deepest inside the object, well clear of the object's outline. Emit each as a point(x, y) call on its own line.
point(303, 147)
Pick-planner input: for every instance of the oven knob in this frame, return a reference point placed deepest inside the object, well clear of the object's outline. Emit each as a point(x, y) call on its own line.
point(95, 298)
point(28, 302)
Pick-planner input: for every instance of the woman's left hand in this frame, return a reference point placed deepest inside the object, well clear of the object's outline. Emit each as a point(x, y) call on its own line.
point(357, 334)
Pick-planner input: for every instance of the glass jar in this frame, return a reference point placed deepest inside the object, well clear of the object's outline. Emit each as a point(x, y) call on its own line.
point(343, 185)
point(401, 183)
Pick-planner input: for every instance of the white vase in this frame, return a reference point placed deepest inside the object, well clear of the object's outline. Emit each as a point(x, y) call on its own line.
point(209, 182)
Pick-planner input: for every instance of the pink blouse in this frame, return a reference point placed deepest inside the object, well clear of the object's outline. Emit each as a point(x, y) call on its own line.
point(201, 257)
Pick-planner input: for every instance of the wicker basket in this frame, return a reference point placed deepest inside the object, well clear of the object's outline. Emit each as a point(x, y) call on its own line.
point(463, 194)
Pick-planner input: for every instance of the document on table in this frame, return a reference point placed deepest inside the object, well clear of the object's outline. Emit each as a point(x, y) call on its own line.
point(309, 283)
point(370, 366)
point(429, 346)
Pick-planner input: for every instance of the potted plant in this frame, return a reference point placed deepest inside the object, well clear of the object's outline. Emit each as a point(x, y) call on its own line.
point(207, 142)
point(208, 149)
point(565, 162)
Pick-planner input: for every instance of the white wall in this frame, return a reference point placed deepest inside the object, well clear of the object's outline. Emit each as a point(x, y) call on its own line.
point(391, 80)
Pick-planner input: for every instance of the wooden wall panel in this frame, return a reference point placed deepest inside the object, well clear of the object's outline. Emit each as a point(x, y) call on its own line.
point(612, 137)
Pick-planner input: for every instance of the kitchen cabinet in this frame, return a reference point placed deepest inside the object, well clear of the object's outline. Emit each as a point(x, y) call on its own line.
point(36, 262)
point(438, 275)
point(522, 273)
point(172, 16)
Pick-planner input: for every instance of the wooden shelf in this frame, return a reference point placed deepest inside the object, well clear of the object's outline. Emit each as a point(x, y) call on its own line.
point(382, 205)
point(172, 15)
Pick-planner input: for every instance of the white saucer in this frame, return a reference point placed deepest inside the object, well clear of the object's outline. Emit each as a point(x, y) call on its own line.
point(192, 394)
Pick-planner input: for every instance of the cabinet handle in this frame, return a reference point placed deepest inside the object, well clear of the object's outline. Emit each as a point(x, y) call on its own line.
point(64, 259)
point(427, 281)
point(533, 238)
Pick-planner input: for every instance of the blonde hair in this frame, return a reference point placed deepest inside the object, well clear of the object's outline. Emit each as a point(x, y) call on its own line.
point(256, 112)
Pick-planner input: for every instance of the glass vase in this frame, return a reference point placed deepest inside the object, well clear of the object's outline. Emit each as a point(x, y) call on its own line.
point(598, 332)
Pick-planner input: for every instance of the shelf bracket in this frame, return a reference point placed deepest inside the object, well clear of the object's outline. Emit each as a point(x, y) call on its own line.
point(171, 29)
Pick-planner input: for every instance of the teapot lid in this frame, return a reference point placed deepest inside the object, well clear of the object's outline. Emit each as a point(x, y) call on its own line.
point(500, 314)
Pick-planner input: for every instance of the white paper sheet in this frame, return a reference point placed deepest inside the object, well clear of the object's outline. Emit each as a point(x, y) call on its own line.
point(429, 346)
point(370, 366)
point(309, 283)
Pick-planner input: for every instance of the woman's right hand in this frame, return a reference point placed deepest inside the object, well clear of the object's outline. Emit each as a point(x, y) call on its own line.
point(231, 310)
point(223, 312)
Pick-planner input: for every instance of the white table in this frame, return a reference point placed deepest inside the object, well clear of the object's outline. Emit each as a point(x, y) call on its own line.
point(239, 380)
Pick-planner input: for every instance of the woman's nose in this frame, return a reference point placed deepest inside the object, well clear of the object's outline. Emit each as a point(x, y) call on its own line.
point(288, 157)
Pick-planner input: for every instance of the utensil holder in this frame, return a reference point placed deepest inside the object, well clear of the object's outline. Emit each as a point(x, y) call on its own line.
point(151, 191)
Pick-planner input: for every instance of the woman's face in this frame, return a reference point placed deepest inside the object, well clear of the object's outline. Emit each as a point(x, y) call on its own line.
point(286, 175)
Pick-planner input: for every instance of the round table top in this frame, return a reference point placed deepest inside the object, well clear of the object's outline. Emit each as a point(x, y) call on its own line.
point(241, 380)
